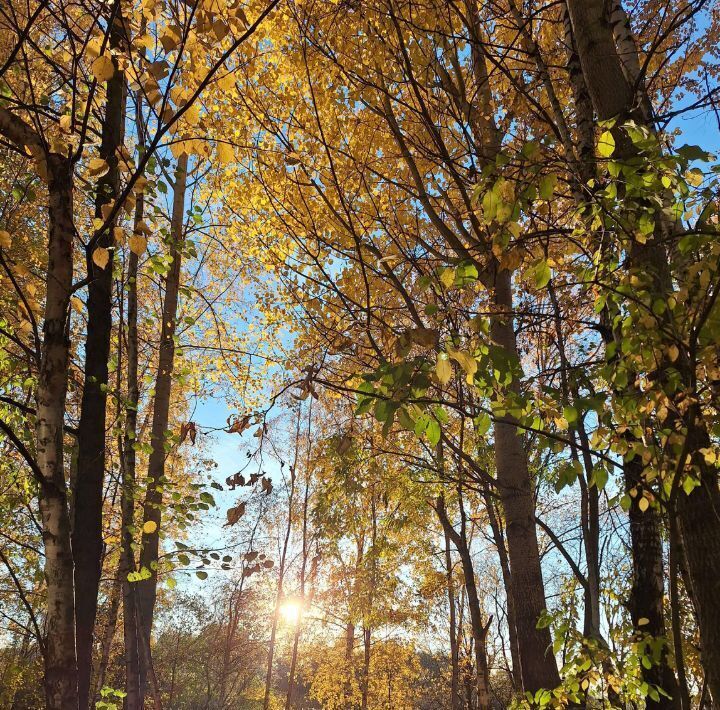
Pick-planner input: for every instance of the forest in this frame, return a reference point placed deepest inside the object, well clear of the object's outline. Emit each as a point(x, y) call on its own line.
point(359, 355)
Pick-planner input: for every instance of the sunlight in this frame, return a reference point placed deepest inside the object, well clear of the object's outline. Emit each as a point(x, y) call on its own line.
point(290, 611)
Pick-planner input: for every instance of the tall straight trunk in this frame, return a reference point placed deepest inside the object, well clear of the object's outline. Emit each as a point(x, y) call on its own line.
point(88, 491)
point(128, 458)
point(146, 589)
point(538, 667)
point(60, 659)
point(499, 539)
point(613, 95)
point(454, 660)
point(281, 568)
point(367, 638)
point(127, 502)
point(108, 637)
point(698, 517)
point(303, 567)
point(479, 630)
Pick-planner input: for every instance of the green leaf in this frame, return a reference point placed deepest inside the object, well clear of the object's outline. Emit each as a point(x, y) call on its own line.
point(570, 414)
point(542, 274)
point(482, 424)
point(201, 575)
point(433, 432)
point(547, 186)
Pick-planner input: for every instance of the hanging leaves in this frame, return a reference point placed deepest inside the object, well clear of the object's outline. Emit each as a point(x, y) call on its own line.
point(101, 257)
point(234, 514)
point(103, 68)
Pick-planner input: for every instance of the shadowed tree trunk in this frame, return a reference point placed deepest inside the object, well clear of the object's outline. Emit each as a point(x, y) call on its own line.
point(611, 74)
point(146, 590)
point(87, 494)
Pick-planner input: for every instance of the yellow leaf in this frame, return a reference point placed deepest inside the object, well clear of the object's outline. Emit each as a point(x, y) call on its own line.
point(100, 257)
point(443, 369)
point(447, 277)
point(227, 82)
point(103, 68)
point(606, 145)
point(709, 455)
point(466, 361)
point(694, 177)
point(77, 304)
point(192, 115)
point(97, 167)
point(119, 235)
point(66, 123)
point(149, 527)
point(138, 244)
point(177, 148)
point(673, 353)
point(5, 239)
point(643, 621)
point(225, 152)
point(643, 504)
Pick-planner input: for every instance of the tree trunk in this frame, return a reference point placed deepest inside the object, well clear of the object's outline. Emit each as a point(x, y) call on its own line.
point(499, 539)
point(87, 494)
point(60, 659)
point(127, 503)
point(152, 510)
point(132, 700)
point(367, 637)
point(108, 636)
point(303, 567)
point(478, 628)
point(699, 521)
point(455, 667)
point(538, 666)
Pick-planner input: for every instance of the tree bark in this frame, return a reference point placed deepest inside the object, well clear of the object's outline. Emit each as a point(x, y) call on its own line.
point(499, 539)
point(146, 589)
point(132, 700)
point(537, 662)
point(127, 502)
point(60, 658)
point(60, 662)
point(606, 72)
point(479, 630)
point(88, 491)
point(454, 660)
point(108, 636)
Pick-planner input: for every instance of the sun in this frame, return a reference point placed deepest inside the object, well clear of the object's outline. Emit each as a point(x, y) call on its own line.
point(290, 611)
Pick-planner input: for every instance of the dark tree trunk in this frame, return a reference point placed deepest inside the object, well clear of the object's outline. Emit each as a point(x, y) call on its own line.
point(499, 539)
point(87, 494)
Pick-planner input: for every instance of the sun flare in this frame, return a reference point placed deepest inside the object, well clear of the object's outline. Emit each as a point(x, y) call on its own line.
point(290, 611)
